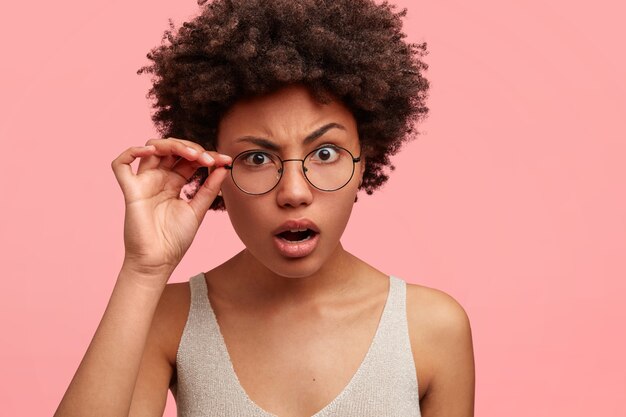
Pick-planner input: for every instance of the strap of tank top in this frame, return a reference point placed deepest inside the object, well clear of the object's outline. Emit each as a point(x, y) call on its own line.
point(202, 322)
point(396, 308)
point(201, 312)
point(389, 359)
point(197, 286)
point(391, 325)
point(394, 313)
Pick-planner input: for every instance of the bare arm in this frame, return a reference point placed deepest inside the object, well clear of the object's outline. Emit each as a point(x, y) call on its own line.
point(158, 229)
point(446, 343)
point(104, 382)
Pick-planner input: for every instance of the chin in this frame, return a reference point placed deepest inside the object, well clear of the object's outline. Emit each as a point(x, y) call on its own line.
point(268, 256)
point(286, 267)
point(296, 267)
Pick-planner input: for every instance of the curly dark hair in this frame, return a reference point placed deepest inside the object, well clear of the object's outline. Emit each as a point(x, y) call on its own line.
point(350, 50)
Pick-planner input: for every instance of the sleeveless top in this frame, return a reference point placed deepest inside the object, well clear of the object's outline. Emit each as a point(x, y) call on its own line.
point(385, 383)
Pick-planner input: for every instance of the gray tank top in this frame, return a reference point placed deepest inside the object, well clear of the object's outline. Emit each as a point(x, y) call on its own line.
point(385, 384)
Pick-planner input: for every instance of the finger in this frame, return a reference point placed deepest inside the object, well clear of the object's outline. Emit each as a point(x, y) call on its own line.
point(121, 165)
point(169, 161)
point(154, 161)
point(169, 150)
point(176, 144)
point(188, 143)
point(148, 163)
point(188, 150)
point(203, 199)
point(187, 169)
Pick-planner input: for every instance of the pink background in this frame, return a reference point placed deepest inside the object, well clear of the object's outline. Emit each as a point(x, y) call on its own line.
point(512, 201)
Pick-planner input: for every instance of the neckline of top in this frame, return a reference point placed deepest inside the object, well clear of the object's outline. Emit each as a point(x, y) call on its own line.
point(392, 280)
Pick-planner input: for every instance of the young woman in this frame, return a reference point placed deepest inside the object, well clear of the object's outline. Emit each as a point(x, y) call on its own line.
point(279, 112)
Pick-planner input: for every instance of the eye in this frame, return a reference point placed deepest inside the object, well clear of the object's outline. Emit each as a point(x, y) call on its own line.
point(325, 155)
point(256, 159)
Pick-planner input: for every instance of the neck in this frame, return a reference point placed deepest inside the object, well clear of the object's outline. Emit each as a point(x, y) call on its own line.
point(255, 283)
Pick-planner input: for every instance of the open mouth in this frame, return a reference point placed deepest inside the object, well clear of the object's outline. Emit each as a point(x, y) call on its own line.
point(297, 235)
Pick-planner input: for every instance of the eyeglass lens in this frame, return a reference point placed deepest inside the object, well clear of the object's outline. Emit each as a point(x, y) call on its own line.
point(327, 168)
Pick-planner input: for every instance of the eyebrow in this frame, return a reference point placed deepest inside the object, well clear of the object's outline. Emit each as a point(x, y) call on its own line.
point(268, 144)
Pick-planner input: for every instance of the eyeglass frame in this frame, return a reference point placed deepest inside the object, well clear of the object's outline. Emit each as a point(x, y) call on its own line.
point(355, 159)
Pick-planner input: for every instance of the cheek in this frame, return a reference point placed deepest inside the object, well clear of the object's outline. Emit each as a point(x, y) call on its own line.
point(249, 215)
point(338, 208)
point(240, 208)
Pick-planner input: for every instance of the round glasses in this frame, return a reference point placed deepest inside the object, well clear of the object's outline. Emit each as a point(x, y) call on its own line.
point(327, 168)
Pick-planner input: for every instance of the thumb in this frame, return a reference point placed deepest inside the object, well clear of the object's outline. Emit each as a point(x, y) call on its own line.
point(204, 197)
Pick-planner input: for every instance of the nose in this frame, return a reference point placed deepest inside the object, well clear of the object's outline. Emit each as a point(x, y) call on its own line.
point(293, 189)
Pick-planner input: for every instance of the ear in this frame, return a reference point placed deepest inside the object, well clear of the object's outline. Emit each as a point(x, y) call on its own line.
point(361, 169)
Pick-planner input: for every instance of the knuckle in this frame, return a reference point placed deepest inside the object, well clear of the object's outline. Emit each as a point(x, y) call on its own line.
point(191, 144)
point(117, 160)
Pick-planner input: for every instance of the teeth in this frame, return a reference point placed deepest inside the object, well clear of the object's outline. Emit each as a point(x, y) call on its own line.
point(298, 230)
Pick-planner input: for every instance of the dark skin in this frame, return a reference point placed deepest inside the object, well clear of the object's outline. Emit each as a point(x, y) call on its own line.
point(276, 329)
point(438, 328)
point(353, 50)
point(276, 314)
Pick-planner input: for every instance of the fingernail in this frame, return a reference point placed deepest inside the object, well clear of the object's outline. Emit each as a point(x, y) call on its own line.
point(192, 150)
point(207, 158)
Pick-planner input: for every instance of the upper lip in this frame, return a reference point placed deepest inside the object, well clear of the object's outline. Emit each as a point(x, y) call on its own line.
point(296, 224)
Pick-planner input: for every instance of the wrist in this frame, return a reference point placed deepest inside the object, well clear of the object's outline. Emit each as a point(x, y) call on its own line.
point(147, 267)
point(148, 277)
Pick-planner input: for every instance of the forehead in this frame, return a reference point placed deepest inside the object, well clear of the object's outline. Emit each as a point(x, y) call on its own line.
point(290, 112)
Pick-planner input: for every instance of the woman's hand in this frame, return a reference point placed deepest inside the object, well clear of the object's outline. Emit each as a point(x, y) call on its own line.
point(159, 226)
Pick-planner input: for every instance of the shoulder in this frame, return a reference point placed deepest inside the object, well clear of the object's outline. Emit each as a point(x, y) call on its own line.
point(435, 311)
point(441, 340)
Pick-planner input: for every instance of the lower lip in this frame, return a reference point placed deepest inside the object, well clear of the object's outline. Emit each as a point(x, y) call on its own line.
point(296, 249)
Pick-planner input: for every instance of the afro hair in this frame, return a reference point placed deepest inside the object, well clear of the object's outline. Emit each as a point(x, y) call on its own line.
point(348, 50)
